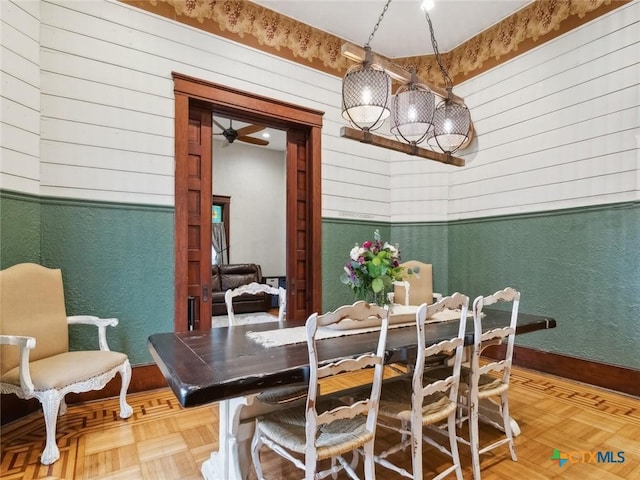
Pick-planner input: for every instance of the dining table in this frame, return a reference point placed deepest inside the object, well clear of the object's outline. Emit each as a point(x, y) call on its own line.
point(228, 365)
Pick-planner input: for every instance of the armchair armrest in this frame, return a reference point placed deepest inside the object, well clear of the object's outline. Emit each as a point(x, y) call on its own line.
point(25, 344)
point(101, 323)
point(406, 285)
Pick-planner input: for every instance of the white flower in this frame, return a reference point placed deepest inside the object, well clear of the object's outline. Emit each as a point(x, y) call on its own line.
point(356, 252)
point(393, 250)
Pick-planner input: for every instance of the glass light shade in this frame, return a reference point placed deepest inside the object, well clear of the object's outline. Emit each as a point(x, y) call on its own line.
point(451, 123)
point(366, 90)
point(412, 110)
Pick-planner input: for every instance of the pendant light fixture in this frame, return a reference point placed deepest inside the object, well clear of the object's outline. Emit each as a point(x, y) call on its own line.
point(451, 120)
point(414, 116)
point(412, 111)
point(366, 90)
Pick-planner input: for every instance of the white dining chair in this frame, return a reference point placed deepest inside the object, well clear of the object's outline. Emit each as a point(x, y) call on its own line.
point(255, 288)
point(278, 395)
point(323, 430)
point(408, 405)
point(490, 378)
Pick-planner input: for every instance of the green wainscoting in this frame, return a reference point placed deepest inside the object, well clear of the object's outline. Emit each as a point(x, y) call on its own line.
point(581, 266)
point(19, 229)
point(117, 261)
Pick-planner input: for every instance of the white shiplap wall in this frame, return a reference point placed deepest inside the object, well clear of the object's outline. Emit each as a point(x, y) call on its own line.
point(107, 107)
point(557, 127)
point(20, 96)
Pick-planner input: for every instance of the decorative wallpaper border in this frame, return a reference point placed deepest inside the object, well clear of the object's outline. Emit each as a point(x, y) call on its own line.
point(258, 27)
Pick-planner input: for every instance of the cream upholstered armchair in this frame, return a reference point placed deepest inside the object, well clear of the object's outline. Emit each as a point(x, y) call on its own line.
point(34, 347)
point(420, 283)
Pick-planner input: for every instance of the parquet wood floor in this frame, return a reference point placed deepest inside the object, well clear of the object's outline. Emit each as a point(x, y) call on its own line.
point(162, 440)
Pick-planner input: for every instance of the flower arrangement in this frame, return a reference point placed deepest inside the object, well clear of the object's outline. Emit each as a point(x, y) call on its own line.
point(371, 269)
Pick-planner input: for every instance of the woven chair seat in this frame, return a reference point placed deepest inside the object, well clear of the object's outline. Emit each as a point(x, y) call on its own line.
point(396, 403)
point(488, 385)
point(283, 395)
point(287, 427)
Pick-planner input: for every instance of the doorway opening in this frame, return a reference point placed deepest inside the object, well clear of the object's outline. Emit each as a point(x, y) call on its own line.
point(195, 101)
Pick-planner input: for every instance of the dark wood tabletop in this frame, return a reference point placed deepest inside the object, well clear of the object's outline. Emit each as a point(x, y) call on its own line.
point(212, 365)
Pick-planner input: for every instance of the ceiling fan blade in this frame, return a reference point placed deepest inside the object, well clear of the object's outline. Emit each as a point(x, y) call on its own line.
point(218, 125)
point(249, 129)
point(255, 141)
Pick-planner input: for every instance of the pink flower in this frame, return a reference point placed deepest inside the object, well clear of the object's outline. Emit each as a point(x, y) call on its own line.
point(367, 244)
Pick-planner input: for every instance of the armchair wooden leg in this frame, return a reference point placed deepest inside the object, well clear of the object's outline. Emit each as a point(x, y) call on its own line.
point(50, 405)
point(125, 375)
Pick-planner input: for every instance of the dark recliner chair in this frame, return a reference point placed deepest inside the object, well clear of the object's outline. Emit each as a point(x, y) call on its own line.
point(224, 277)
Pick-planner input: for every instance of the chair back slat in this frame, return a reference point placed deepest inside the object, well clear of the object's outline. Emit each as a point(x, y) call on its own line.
point(348, 365)
point(32, 304)
point(357, 408)
point(443, 346)
point(497, 333)
point(422, 385)
point(493, 336)
point(438, 386)
point(255, 288)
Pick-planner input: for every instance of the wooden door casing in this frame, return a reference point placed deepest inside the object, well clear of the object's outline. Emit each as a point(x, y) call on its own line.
point(199, 182)
point(192, 248)
point(304, 273)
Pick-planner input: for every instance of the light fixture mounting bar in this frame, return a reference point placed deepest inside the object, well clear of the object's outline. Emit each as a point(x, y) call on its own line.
point(357, 54)
point(384, 142)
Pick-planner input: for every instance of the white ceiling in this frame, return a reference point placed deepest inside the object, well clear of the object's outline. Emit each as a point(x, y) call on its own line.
point(404, 31)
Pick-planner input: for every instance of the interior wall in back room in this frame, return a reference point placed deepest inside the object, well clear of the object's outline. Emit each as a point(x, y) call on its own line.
point(580, 266)
point(255, 179)
point(116, 261)
point(19, 229)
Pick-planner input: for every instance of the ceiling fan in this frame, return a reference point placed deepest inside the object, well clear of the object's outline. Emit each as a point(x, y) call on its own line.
point(242, 134)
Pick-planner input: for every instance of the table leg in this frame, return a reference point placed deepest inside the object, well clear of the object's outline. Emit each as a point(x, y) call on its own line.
point(489, 411)
point(233, 459)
